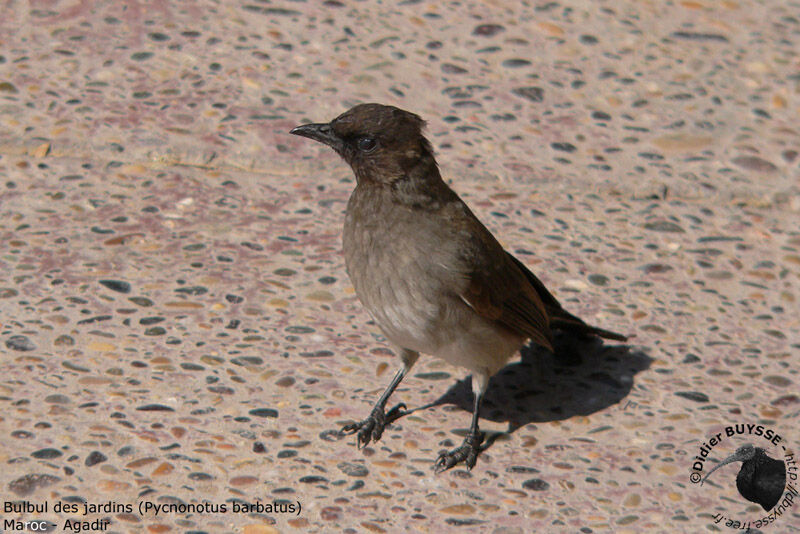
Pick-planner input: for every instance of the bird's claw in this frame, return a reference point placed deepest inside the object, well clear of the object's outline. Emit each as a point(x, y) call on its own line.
point(396, 413)
point(371, 428)
point(467, 453)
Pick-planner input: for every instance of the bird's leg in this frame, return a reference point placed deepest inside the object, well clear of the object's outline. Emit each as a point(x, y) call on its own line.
point(469, 450)
point(371, 428)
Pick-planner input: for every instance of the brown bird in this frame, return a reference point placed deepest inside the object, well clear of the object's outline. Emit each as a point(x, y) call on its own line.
point(433, 278)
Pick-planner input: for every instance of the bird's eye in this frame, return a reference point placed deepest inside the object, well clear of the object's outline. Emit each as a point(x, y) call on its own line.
point(367, 144)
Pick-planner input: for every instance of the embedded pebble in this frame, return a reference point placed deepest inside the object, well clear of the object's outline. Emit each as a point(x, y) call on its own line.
point(664, 226)
point(754, 163)
point(264, 412)
point(534, 94)
point(536, 484)
point(24, 486)
point(20, 343)
point(693, 395)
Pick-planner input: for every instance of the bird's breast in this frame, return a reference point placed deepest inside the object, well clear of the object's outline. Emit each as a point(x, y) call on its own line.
point(393, 267)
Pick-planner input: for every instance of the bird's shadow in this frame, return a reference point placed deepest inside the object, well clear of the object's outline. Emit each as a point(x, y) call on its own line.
point(582, 377)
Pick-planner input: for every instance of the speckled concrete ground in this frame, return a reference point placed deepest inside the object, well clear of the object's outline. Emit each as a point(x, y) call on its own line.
point(177, 327)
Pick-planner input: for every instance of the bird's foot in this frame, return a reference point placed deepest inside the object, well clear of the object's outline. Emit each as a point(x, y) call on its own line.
point(467, 453)
point(371, 428)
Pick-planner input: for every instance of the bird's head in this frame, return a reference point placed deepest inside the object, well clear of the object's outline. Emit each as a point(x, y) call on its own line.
point(381, 143)
point(742, 454)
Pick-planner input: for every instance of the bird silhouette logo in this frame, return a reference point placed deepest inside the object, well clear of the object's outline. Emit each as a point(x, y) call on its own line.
point(761, 479)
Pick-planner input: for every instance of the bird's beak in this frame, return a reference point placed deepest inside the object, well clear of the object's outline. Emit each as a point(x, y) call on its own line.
point(320, 132)
point(742, 454)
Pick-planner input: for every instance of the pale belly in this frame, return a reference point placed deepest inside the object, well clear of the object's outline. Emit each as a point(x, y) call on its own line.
point(425, 319)
point(405, 284)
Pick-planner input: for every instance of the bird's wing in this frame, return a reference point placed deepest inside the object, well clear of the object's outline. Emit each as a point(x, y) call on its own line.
point(497, 289)
point(559, 317)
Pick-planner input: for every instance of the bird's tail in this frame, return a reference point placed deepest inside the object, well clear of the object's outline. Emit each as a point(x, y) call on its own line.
point(561, 319)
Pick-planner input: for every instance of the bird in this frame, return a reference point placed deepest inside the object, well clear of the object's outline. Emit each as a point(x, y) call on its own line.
point(431, 275)
point(761, 479)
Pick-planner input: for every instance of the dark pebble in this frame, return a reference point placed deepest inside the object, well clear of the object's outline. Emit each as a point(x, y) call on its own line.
point(317, 354)
point(436, 375)
point(505, 117)
point(6, 87)
point(353, 469)
point(8, 292)
point(601, 116)
point(598, 279)
point(463, 522)
point(663, 226)
point(264, 412)
point(449, 68)
point(27, 484)
point(536, 484)
point(588, 39)
point(713, 238)
point(282, 11)
point(756, 164)
point(141, 301)
point(330, 435)
point(652, 156)
point(488, 30)
point(299, 329)
point(564, 147)
point(155, 331)
point(95, 457)
point(95, 319)
point(693, 395)
point(357, 485)
point(234, 299)
point(534, 94)
point(313, 479)
point(141, 56)
point(192, 290)
point(20, 343)
point(64, 341)
point(777, 380)
point(247, 360)
point(656, 268)
point(786, 400)
point(155, 408)
point(147, 321)
point(222, 390)
point(521, 469)
point(46, 454)
point(516, 63)
point(695, 36)
point(75, 367)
